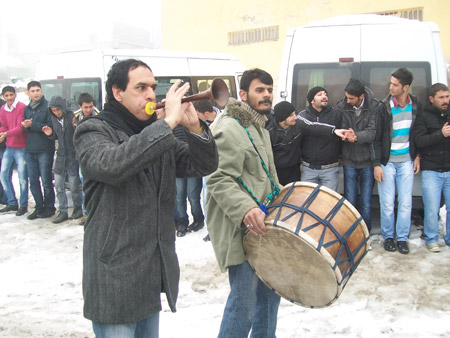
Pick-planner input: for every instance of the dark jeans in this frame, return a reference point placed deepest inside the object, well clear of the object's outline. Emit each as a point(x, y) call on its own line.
point(191, 189)
point(40, 165)
point(365, 178)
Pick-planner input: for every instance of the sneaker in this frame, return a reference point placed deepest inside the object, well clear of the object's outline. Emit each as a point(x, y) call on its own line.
point(9, 208)
point(21, 211)
point(389, 245)
point(77, 213)
point(45, 213)
point(181, 232)
point(33, 215)
point(206, 238)
point(433, 247)
point(195, 226)
point(402, 247)
point(62, 216)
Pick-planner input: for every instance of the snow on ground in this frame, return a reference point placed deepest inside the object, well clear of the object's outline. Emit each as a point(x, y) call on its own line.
point(389, 295)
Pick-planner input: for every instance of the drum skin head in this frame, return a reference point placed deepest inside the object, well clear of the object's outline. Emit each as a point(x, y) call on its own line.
point(308, 256)
point(293, 268)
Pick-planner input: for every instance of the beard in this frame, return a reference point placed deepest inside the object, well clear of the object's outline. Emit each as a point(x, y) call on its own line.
point(265, 112)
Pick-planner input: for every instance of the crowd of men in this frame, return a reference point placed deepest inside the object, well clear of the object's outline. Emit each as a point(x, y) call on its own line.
point(387, 141)
point(29, 133)
point(134, 164)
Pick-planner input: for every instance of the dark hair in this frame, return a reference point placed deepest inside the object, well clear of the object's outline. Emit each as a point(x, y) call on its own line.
point(404, 76)
point(355, 87)
point(255, 73)
point(202, 106)
point(33, 84)
point(436, 88)
point(8, 89)
point(85, 98)
point(118, 75)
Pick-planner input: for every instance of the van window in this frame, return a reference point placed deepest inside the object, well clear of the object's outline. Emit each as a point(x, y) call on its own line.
point(70, 90)
point(78, 87)
point(202, 83)
point(333, 77)
point(51, 89)
point(164, 84)
point(376, 75)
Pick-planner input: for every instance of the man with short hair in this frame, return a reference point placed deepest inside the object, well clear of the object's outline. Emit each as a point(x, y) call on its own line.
point(235, 194)
point(432, 136)
point(321, 154)
point(12, 134)
point(66, 165)
point(359, 110)
point(286, 134)
point(206, 111)
point(87, 108)
point(130, 160)
point(39, 152)
point(396, 160)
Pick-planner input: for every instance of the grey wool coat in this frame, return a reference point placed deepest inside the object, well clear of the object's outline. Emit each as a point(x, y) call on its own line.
point(129, 255)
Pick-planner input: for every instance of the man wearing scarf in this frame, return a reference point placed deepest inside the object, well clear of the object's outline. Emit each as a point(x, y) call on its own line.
point(235, 194)
point(129, 162)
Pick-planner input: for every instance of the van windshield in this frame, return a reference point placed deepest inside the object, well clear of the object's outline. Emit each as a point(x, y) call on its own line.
point(70, 90)
point(335, 76)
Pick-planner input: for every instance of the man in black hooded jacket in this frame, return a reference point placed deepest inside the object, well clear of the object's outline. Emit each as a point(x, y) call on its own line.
point(432, 136)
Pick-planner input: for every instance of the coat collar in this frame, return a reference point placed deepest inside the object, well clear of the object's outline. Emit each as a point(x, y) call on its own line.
point(246, 115)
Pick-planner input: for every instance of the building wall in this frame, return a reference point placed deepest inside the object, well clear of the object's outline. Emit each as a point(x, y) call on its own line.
point(201, 25)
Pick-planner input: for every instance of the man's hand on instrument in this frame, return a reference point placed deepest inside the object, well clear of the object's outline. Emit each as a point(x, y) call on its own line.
point(174, 108)
point(254, 221)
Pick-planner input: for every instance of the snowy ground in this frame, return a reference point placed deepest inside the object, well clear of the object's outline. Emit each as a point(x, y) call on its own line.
point(389, 295)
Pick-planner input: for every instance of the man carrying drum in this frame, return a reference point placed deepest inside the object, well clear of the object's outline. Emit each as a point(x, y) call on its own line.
point(237, 193)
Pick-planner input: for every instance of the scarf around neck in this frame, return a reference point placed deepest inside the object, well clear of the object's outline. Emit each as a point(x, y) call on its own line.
point(116, 115)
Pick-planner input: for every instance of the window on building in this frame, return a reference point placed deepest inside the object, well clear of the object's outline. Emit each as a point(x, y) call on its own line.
point(253, 35)
point(408, 13)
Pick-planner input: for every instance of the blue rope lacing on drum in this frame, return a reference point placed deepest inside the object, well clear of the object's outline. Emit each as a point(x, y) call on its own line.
point(342, 239)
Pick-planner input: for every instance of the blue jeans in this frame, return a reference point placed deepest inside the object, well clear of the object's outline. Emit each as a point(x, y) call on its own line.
point(250, 305)
point(190, 188)
point(400, 176)
point(75, 189)
point(3, 199)
point(17, 156)
point(365, 178)
point(326, 177)
point(40, 165)
point(82, 192)
point(146, 328)
point(433, 184)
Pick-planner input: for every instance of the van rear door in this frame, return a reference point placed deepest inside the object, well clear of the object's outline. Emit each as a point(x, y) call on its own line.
point(322, 57)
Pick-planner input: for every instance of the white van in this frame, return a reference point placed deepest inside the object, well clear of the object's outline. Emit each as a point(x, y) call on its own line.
point(368, 47)
point(71, 73)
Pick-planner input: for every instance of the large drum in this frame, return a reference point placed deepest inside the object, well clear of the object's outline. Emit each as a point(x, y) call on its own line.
point(314, 241)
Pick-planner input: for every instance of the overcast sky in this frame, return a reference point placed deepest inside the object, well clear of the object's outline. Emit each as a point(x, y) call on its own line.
point(30, 26)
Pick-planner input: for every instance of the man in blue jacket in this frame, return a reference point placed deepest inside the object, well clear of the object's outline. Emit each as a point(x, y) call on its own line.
point(40, 152)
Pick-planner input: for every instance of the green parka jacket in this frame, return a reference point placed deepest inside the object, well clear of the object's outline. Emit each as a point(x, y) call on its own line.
point(227, 201)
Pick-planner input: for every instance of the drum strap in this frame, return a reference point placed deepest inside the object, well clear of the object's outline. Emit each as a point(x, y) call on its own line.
point(275, 188)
